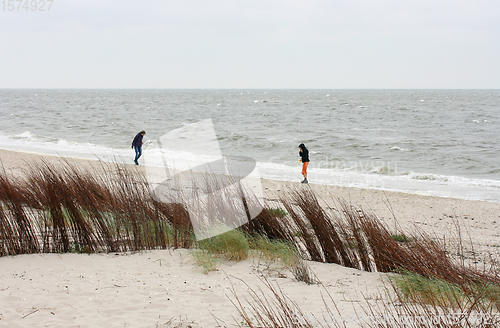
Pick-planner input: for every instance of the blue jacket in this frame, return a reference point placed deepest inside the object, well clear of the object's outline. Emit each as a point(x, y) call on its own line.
point(137, 140)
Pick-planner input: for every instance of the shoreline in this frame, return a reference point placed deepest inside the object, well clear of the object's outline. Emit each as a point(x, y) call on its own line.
point(12, 158)
point(428, 184)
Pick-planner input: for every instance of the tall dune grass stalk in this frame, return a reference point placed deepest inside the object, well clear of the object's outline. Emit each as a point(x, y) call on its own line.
point(107, 208)
point(17, 232)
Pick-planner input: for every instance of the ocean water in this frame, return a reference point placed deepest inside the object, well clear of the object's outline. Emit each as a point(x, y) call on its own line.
point(433, 142)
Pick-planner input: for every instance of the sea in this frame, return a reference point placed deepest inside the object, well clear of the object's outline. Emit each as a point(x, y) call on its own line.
point(431, 142)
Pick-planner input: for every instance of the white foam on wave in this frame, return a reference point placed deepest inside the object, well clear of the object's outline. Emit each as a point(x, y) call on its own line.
point(28, 142)
point(26, 134)
point(410, 182)
point(399, 148)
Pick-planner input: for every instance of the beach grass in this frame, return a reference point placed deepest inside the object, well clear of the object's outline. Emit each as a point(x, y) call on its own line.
point(273, 308)
point(206, 260)
point(110, 208)
point(402, 238)
point(230, 245)
point(275, 250)
point(419, 289)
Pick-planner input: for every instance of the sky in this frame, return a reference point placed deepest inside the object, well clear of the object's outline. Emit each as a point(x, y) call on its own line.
point(240, 44)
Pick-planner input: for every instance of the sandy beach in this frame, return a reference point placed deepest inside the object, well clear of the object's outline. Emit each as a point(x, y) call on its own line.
point(150, 289)
point(165, 288)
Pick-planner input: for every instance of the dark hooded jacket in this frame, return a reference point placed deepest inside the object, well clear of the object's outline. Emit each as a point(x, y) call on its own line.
point(137, 140)
point(304, 153)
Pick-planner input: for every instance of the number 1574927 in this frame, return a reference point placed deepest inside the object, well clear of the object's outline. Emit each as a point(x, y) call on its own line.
point(26, 5)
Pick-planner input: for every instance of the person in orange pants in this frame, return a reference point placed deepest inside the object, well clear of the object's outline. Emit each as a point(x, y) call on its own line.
point(304, 158)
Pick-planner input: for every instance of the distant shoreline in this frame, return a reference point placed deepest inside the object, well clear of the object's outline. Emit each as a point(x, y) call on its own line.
point(315, 175)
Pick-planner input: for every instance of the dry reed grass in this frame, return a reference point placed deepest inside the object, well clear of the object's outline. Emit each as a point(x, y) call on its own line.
point(106, 209)
point(110, 208)
point(271, 307)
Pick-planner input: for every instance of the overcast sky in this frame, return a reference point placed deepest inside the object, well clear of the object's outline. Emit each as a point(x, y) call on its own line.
point(251, 44)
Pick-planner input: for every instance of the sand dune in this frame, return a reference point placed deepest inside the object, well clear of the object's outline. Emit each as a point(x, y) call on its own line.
point(165, 288)
point(151, 289)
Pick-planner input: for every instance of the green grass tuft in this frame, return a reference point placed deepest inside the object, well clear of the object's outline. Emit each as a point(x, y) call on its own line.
point(420, 289)
point(231, 245)
point(274, 250)
point(417, 288)
point(402, 238)
point(277, 212)
point(207, 261)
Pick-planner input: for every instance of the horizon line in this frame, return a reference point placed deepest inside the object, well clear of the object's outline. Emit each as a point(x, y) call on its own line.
point(111, 88)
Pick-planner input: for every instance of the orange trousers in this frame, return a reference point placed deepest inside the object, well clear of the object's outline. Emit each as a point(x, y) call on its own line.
point(304, 168)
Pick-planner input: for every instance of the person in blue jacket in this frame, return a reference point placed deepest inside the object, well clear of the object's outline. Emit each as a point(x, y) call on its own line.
point(137, 146)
